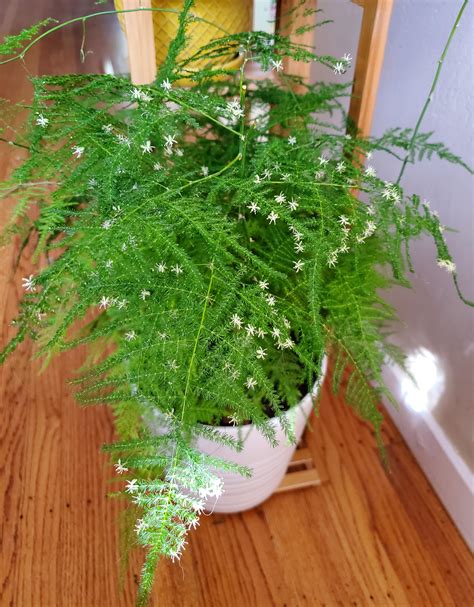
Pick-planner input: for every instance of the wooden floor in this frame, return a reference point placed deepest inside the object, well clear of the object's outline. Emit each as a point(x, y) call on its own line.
point(365, 537)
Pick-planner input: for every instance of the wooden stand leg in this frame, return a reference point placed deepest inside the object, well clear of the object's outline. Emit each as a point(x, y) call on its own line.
point(301, 472)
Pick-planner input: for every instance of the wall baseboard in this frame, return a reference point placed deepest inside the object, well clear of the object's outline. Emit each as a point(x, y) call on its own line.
point(446, 470)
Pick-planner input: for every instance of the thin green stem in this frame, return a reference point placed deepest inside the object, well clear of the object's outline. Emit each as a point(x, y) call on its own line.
point(432, 89)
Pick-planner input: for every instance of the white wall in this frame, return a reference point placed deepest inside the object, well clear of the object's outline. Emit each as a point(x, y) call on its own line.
point(437, 330)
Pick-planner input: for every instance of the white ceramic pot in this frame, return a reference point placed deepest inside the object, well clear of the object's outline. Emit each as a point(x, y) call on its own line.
point(268, 464)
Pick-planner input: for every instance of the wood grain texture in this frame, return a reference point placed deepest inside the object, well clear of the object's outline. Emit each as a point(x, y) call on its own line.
point(364, 537)
point(140, 42)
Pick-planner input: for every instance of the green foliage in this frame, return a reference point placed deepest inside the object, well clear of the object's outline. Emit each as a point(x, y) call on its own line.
point(208, 246)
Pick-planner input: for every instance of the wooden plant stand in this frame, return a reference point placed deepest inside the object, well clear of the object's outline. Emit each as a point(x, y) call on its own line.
point(301, 472)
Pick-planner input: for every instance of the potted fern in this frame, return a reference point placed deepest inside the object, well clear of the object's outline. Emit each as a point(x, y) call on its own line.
point(208, 245)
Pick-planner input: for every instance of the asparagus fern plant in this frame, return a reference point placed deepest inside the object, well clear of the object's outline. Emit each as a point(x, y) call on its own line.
point(208, 244)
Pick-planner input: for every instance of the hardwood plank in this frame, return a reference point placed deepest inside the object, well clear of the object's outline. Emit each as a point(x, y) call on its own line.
point(364, 537)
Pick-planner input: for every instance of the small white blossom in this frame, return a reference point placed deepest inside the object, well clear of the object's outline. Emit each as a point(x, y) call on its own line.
point(120, 468)
point(77, 151)
point(132, 486)
point(447, 265)
point(370, 171)
point(257, 179)
point(288, 343)
point(234, 108)
point(163, 336)
point(280, 198)
point(261, 353)
point(285, 176)
point(267, 174)
point(347, 58)
point(250, 383)
point(205, 171)
point(107, 224)
point(323, 160)
point(122, 303)
point(144, 294)
point(139, 526)
point(42, 121)
point(286, 322)
point(341, 167)
point(319, 175)
point(107, 128)
point(332, 259)
point(233, 420)
point(270, 300)
point(177, 269)
point(261, 333)
point(276, 332)
point(92, 182)
point(109, 263)
point(291, 140)
point(236, 321)
point(173, 365)
point(253, 206)
point(293, 204)
point(250, 330)
point(298, 265)
point(339, 67)
point(104, 303)
point(370, 210)
point(272, 217)
point(28, 283)
point(147, 148)
point(123, 140)
point(130, 335)
point(161, 267)
point(136, 93)
point(157, 166)
point(263, 284)
point(170, 141)
point(344, 221)
point(166, 85)
point(277, 64)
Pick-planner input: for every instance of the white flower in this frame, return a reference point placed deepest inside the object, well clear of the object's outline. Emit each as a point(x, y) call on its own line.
point(369, 155)
point(298, 265)
point(42, 121)
point(250, 383)
point(267, 173)
point(370, 228)
point(166, 85)
point(447, 265)
point(319, 175)
point(233, 420)
point(288, 343)
point(173, 365)
point(104, 303)
point(234, 108)
point(132, 486)
point(261, 353)
point(339, 67)
point(205, 171)
point(179, 152)
point(92, 182)
point(122, 303)
point(257, 179)
point(163, 336)
point(341, 167)
point(261, 333)
point(236, 321)
point(277, 64)
point(293, 204)
point(332, 259)
point(147, 148)
point(139, 526)
point(157, 166)
point(299, 248)
point(347, 58)
point(323, 160)
point(291, 140)
point(253, 206)
point(28, 284)
point(136, 93)
point(263, 284)
point(280, 198)
point(344, 221)
point(286, 322)
point(272, 217)
point(276, 332)
point(370, 171)
point(77, 151)
point(107, 128)
point(370, 210)
point(285, 176)
point(107, 224)
point(144, 294)
point(177, 269)
point(170, 141)
point(120, 468)
point(250, 330)
point(123, 140)
point(109, 263)
point(161, 267)
point(270, 300)
point(130, 335)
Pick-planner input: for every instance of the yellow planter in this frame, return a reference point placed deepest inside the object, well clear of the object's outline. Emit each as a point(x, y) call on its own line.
point(233, 16)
